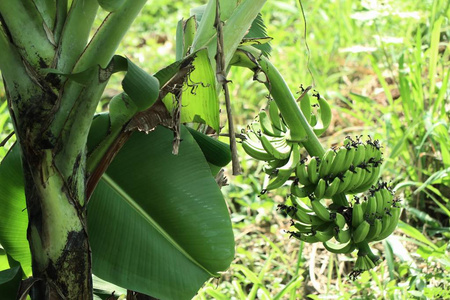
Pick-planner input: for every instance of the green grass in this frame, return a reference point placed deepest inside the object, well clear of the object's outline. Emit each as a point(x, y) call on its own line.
point(387, 76)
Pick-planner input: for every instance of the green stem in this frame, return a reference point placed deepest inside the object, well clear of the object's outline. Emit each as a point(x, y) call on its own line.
point(104, 44)
point(76, 128)
point(78, 103)
point(75, 33)
point(9, 59)
point(47, 10)
point(61, 15)
point(24, 23)
point(293, 115)
point(291, 112)
point(300, 130)
point(99, 152)
point(57, 231)
point(15, 75)
point(364, 249)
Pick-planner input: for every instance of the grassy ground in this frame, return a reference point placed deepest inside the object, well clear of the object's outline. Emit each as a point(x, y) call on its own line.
point(384, 66)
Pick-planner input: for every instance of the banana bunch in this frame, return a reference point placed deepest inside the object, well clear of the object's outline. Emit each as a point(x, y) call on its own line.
point(350, 169)
point(372, 217)
point(267, 139)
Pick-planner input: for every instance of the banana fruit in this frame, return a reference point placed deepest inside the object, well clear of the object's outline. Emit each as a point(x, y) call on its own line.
point(351, 169)
point(372, 217)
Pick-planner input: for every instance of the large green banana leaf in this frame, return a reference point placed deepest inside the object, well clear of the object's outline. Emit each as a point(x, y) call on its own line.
point(13, 214)
point(158, 223)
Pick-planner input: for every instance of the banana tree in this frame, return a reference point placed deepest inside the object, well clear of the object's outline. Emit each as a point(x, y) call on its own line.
point(77, 183)
point(146, 205)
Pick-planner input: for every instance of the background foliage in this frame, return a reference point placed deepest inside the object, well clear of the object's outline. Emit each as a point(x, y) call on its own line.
point(384, 65)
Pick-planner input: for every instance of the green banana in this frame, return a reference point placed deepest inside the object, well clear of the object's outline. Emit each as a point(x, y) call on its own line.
point(339, 220)
point(326, 162)
point(277, 147)
point(364, 206)
point(365, 251)
point(351, 151)
point(387, 197)
point(302, 228)
point(356, 179)
point(369, 179)
point(277, 180)
point(339, 161)
point(332, 188)
point(276, 163)
point(389, 229)
point(343, 236)
point(303, 217)
point(386, 222)
point(378, 154)
point(370, 264)
point(325, 116)
point(256, 150)
point(267, 126)
point(340, 248)
point(313, 175)
point(294, 159)
point(284, 172)
point(371, 209)
point(284, 127)
point(384, 199)
point(270, 169)
point(345, 182)
point(357, 214)
point(289, 210)
point(360, 265)
point(363, 263)
point(372, 153)
point(319, 191)
point(325, 235)
point(306, 238)
point(381, 204)
point(313, 120)
point(299, 204)
point(274, 116)
point(360, 233)
point(360, 154)
point(374, 231)
point(318, 223)
point(320, 210)
point(365, 175)
point(254, 131)
point(305, 105)
point(302, 174)
point(300, 192)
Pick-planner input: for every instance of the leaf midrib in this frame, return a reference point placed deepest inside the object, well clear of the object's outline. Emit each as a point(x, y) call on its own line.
point(129, 200)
